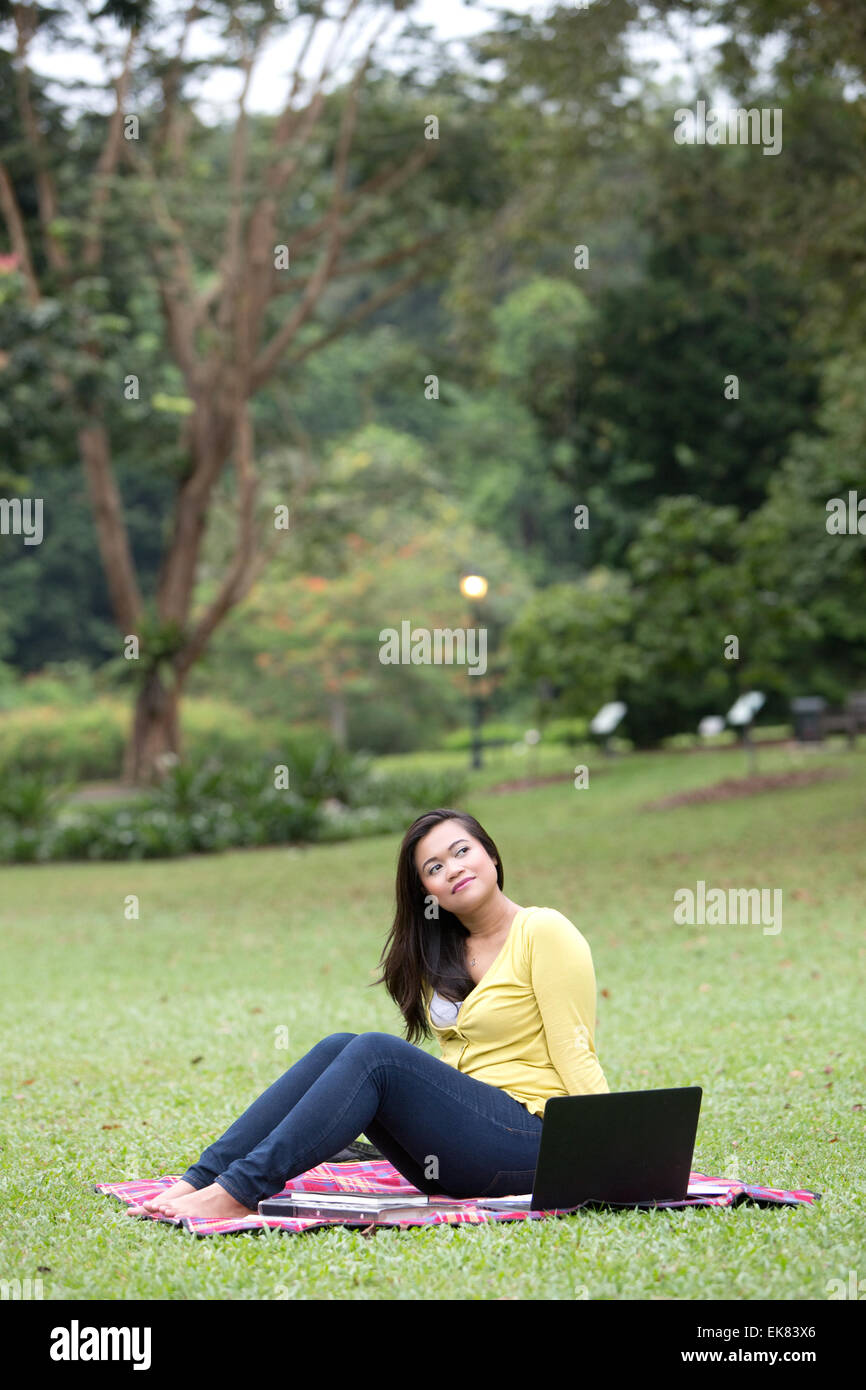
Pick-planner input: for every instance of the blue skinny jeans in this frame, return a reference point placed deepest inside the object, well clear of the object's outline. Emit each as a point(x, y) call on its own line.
point(446, 1132)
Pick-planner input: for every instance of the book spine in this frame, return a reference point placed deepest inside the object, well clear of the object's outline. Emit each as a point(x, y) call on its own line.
point(345, 1214)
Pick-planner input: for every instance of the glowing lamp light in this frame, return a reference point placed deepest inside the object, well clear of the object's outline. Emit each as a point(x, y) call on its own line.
point(473, 586)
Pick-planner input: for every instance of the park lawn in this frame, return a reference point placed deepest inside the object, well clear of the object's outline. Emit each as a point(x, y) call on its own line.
point(129, 1044)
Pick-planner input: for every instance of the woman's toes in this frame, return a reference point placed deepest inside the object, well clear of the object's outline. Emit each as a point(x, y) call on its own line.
point(213, 1202)
point(170, 1194)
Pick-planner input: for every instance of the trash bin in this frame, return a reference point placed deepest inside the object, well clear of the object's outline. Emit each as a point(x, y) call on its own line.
point(808, 725)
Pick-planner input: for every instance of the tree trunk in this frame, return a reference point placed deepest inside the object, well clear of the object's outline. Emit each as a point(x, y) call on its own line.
point(337, 703)
point(155, 732)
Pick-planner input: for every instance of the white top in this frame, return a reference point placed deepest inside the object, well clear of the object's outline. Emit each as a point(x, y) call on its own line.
point(443, 1011)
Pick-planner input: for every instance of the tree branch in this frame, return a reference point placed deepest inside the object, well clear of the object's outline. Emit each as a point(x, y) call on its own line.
point(176, 284)
point(269, 356)
point(384, 182)
point(25, 24)
point(18, 234)
point(290, 118)
point(237, 578)
point(389, 258)
point(262, 218)
point(358, 314)
point(108, 161)
point(170, 134)
point(111, 532)
point(251, 558)
point(232, 266)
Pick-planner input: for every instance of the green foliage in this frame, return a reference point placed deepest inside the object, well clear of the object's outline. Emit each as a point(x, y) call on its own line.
point(219, 805)
point(391, 547)
point(541, 329)
point(29, 800)
point(689, 594)
point(412, 791)
point(557, 386)
point(159, 641)
point(83, 743)
point(70, 684)
point(491, 729)
point(86, 743)
point(817, 580)
point(391, 723)
point(207, 805)
point(567, 731)
point(676, 344)
point(54, 603)
point(569, 642)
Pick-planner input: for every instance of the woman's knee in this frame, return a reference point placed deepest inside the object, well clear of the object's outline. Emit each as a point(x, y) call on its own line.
point(335, 1042)
point(368, 1042)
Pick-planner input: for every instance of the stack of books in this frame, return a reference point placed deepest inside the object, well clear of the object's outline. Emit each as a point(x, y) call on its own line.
point(354, 1207)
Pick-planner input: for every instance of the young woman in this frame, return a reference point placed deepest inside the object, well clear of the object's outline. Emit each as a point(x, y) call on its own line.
point(509, 992)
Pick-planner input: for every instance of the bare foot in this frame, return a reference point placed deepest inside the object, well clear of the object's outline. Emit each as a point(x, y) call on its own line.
point(212, 1202)
point(178, 1189)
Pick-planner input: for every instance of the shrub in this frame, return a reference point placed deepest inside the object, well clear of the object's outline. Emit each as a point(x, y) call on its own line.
point(228, 732)
point(568, 731)
point(210, 805)
point(66, 743)
point(411, 792)
point(461, 739)
point(382, 726)
point(29, 800)
point(319, 768)
point(87, 743)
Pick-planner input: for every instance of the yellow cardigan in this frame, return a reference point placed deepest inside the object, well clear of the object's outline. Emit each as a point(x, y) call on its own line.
point(528, 1026)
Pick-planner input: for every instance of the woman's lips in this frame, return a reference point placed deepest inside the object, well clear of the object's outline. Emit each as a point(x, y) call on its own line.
point(462, 884)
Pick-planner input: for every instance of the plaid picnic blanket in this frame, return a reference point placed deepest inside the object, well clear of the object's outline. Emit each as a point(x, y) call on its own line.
point(378, 1175)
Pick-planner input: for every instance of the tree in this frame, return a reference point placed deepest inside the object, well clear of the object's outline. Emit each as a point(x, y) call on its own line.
point(692, 591)
point(383, 541)
point(572, 641)
point(818, 573)
point(233, 306)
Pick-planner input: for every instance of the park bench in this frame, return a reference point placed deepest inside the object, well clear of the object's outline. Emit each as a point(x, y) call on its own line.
point(848, 720)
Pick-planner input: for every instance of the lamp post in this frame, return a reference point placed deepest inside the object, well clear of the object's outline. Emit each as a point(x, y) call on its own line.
point(741, 714)
point(474, 587)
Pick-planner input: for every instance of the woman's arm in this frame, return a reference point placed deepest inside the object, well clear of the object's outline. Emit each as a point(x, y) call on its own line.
point(563, 980)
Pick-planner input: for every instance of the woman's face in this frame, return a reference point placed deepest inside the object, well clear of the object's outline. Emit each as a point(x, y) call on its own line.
point(454, 867)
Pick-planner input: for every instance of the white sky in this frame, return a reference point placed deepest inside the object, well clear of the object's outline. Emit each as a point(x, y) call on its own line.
point(451, 21)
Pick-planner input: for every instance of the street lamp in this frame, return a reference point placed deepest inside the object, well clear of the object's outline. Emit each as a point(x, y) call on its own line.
point(474, 587)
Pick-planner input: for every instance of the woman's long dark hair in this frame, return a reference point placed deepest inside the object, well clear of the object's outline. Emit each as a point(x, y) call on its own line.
point(421, 949)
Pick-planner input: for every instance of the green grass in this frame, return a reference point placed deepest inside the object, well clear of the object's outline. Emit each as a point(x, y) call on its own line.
point(103, 1018)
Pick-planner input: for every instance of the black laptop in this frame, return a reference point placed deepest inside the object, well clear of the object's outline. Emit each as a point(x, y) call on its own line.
point(623, 1148)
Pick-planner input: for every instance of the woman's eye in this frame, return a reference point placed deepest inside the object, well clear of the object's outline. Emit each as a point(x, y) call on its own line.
point(462, 850)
